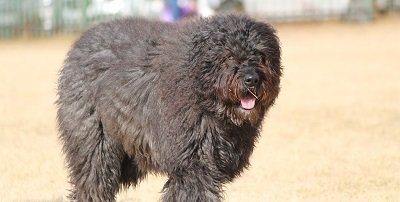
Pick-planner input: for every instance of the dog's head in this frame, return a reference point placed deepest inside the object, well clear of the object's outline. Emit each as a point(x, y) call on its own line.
point(239, 68)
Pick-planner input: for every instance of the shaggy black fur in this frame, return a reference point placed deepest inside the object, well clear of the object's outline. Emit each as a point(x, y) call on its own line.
point(138, 97)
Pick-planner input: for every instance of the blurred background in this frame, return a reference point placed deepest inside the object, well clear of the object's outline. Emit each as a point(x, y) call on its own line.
point(333, 134)
point(47, 17)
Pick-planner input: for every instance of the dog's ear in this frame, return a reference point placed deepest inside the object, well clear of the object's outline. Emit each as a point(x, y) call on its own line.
point(267, 42)
point(205, 59)
point(207, 48)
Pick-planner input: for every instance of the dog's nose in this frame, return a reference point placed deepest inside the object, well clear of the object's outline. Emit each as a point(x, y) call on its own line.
point(251, 80)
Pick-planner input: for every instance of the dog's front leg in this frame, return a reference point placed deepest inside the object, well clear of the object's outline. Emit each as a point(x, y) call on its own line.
point(193, 186)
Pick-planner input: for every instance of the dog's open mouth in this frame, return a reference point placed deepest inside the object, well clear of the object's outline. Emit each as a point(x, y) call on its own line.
point(249, 102)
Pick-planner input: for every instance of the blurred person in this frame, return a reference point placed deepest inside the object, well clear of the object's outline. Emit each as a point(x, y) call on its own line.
point(178, 9)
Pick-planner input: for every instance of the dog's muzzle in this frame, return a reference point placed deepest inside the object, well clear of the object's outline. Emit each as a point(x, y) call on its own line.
point(251, 81)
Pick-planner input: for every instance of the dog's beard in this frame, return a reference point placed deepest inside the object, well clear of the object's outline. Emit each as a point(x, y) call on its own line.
point(242, 104)
point(247, 107)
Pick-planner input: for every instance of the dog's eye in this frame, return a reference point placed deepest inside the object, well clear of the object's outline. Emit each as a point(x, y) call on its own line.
point(262, 60)
point(263, 63)
point(235, 68)
point(259, 59)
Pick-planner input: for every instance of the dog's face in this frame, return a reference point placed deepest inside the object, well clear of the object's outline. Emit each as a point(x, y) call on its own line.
point(240, 68)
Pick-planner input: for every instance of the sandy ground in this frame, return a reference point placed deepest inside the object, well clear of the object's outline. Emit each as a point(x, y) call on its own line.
point(333, 135)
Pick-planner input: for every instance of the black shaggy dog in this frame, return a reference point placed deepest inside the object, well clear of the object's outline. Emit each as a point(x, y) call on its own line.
point(185, 100)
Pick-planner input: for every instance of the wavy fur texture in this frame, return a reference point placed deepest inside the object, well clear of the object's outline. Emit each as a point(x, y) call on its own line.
point(138, 96)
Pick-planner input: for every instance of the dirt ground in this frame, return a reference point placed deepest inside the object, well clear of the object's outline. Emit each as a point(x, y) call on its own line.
point(333, 135)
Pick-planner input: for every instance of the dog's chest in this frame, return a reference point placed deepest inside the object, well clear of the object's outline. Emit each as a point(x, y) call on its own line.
point(231, 153)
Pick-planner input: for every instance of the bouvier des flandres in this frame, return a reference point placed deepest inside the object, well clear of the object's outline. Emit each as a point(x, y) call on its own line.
point(182, 99)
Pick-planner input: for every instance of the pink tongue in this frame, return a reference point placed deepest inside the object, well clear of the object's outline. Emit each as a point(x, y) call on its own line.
point(248, 103)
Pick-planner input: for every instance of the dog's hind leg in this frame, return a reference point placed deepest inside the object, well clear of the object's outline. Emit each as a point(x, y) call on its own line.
point(96, 169)
point(93, 158)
